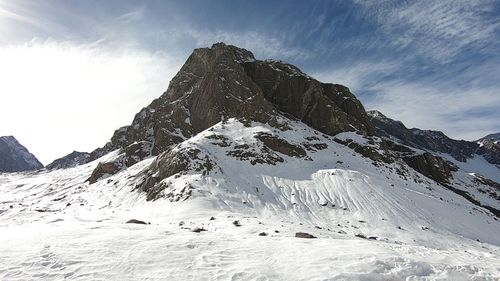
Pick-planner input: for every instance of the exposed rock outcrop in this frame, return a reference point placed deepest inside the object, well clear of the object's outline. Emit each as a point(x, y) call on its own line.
point(175, 162)
point(281, 146)
point(431, 166)
point(490, 150)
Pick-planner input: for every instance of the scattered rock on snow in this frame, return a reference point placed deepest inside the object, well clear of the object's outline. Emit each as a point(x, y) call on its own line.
point(198, 229)
point(304, 235)
point(137, 221)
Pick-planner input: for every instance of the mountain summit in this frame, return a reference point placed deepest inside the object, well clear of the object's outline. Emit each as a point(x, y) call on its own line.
point(224, 82)
point(14, 157)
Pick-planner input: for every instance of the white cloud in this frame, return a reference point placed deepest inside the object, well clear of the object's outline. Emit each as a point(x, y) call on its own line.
point(59, 97)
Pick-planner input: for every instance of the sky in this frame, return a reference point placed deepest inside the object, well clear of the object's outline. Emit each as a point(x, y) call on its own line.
point(72, 72)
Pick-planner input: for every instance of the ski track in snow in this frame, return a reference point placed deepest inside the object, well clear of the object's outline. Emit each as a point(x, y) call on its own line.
point(62, 228)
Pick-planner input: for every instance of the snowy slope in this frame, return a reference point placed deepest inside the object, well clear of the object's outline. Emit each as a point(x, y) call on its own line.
point(15, 157)
point(54, 225)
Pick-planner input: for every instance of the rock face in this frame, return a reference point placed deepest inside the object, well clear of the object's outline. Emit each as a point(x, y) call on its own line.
point(225, 81)
point(435, 141)
point(431, 166)
point(71, 160)
point(14, 157)
point(329, 108)
point(490, 150)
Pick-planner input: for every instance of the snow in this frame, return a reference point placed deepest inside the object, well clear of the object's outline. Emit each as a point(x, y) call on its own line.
point(334, 196)
point(476, 164)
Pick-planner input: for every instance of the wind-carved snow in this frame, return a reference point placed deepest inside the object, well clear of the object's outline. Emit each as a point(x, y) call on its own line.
point(61, 227)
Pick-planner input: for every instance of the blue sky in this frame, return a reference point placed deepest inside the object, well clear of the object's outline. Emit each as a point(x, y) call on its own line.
point(83, 68)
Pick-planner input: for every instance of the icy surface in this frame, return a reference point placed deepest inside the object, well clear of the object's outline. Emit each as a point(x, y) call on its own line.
point(54, 226)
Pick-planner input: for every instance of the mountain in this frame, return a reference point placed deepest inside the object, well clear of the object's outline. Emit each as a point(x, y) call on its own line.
point(14, 157)
point(492, 137)
point(424, 139)
point(435, 141)
point(250, 169)
point(71, 160)
point(222, 82)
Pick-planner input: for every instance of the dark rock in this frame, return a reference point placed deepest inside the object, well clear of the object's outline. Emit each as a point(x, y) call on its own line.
point(236, 223)
point(136, 221)
point(490, 150)
point(304, 235)
point(328, 108)
point(262, 234)
point(212, 218)
point(174, 162)
point(280, 145)
point(198, 229)
point(102, 169)
point(431, 166)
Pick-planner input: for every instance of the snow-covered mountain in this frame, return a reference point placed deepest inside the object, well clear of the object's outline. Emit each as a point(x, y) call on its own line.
point(238, 160)
point(14, 157)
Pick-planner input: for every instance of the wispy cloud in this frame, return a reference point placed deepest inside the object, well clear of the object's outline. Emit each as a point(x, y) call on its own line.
point(438, 29)
point(439, 107)
point(358, 75)
point(265, 45)
point(460, 106)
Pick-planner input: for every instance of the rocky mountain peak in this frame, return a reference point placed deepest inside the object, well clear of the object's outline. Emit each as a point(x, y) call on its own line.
point(14, 157)
point(225, 81)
